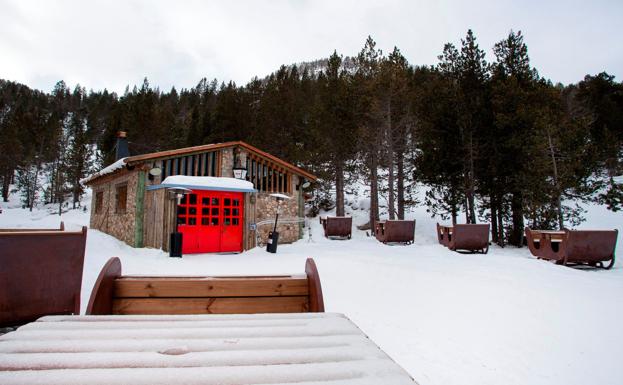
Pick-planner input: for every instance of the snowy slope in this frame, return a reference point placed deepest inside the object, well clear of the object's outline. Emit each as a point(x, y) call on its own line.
point(447, 318)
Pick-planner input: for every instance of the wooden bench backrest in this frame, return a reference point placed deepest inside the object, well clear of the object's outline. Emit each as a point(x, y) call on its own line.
point(590, 245)
point(399, 230)
point(17, 230)
point(117, 294)
point(470, 236)
point(40, 274)
point(338, 226)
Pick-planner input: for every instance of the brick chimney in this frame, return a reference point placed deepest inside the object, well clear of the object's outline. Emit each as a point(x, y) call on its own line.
point(122, 145)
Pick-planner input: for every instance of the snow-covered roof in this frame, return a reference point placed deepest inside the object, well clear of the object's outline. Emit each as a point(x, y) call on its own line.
point(205, 183)
point(162, 155)
point(106, 170)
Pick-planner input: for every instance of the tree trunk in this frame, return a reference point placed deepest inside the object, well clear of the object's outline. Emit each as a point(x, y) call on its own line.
point(494, 219)
point(516, 237)
point(339, 188)
point(6, 183)
point(470, 187)
point(561, 224)
point(501, 240)
point(374, 189)
point(389, 140)
point(453, 208)
point(400, 163)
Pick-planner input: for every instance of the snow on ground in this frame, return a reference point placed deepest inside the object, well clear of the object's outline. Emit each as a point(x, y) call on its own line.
point(447, 318)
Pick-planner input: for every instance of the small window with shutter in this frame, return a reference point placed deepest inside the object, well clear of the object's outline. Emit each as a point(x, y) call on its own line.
point(121, 198)
point(99, 202)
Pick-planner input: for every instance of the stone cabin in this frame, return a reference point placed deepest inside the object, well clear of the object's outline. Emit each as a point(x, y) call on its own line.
point(131, 202)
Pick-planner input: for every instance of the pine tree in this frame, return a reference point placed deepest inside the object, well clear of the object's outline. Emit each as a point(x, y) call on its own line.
point(513, 80)
point(370, 117)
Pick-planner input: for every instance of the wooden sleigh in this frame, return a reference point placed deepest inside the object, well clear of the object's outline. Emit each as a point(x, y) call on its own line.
point(467, 237)
point(40, 273)
point(395, 231)
point(574, 247)
point(337, 226)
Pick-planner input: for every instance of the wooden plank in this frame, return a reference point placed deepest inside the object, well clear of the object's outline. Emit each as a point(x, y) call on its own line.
point(26, 361)
point(247, 305)
point(255, 174)
point(148, 217)
point(139, 207)
point(210, 287)
point(201, 160)
point(219, 163)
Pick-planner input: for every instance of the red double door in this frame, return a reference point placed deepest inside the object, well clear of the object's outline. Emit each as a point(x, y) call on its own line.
point(210, 221)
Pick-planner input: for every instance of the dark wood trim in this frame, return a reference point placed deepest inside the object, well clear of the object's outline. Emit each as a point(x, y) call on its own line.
point(101, 301)
point(316, 301)
point(219, 163)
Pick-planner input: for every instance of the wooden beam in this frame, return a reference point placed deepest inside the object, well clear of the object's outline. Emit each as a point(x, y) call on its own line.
point(210, 287)
point(219, 160)
point(213, 305)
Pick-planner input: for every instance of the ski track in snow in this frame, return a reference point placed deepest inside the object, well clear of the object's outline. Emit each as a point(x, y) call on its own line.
point(447, 318)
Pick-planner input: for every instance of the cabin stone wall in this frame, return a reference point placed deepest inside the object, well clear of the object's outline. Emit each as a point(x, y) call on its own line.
point(119, 225)
point(266, 209)
point(227, 162)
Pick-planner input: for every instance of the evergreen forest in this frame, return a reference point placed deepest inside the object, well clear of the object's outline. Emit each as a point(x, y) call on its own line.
point(486, 136)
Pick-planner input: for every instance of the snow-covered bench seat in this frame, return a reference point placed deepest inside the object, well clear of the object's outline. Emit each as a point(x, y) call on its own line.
point(337, 226)
point(468, 237)
point(14, 230)
point(40, 274)
point(117, 294)
point(574, 247)
point(395, 231)
point(305, 348)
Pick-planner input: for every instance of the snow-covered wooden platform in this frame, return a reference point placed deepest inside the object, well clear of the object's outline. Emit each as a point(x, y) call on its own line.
point(307, 348)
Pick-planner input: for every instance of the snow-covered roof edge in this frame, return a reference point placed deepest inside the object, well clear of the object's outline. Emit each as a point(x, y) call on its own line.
point(106, 170)
point(205, 183)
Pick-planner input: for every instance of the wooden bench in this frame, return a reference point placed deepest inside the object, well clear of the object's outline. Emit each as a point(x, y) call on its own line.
point(467, 237)
point(337, 226)
point(40, 274)
point(15, 230)
point(398, 231)
point(117, 294)
point(208, 349)
point(574, 247)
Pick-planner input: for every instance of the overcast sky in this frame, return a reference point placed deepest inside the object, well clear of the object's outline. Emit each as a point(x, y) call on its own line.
point(110, 44)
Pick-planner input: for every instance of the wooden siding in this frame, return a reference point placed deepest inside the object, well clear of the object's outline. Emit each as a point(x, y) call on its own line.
point(199, 164)
point(268, 176)
point(154, 218)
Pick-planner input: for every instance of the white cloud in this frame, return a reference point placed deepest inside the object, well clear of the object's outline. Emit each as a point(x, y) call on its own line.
point(106, 44)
